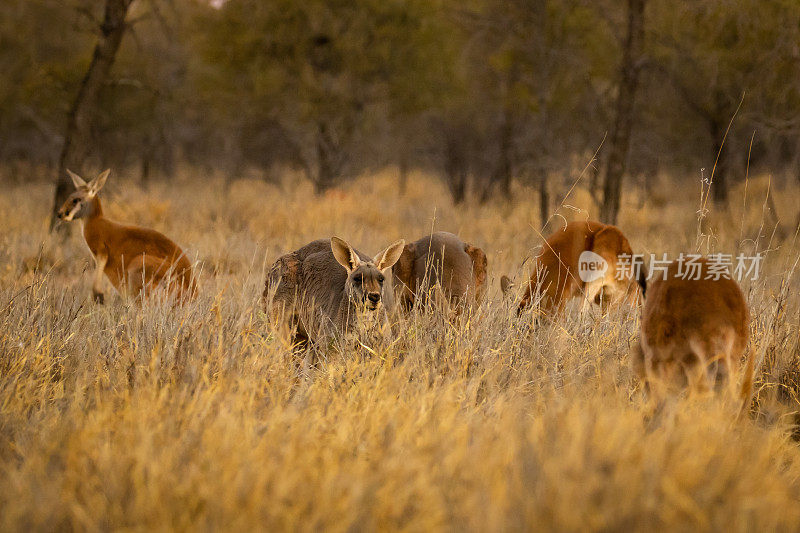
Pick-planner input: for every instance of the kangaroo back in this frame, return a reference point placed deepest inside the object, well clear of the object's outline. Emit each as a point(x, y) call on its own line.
point(308, 286)
point(440, 261)
point(555, 276)
point(694, 327)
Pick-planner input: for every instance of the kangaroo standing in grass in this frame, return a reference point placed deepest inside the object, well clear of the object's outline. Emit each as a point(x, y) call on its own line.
point(134, 259)
point(555, 277)
point(440, 261)
point(694, 332)
point(324, 287)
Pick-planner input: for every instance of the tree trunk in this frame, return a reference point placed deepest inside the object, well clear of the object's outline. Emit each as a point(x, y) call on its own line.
point(459, 189)
point(623, 122)
point(796, 164)
point(455, 169)
point(594, 179)
point(144, 177)
point(326, 173)
point(403, 177)
point(717, 128)
point(501, 177)
point(719, 183)
point(84, 109)
point(457, 181)
point(544, 198)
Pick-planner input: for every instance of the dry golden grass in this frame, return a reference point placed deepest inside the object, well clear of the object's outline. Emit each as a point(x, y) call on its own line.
point(118, 416)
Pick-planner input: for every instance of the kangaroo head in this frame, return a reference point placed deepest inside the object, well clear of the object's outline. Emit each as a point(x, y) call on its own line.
point(610, 244)
point(364, 285)
point(81, 203)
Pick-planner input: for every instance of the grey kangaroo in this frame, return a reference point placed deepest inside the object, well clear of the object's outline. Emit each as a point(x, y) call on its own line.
point(324, 288)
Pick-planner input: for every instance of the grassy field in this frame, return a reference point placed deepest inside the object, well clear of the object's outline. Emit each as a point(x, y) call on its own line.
point(200, 417)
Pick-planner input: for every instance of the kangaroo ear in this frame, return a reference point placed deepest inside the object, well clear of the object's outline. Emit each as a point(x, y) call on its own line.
point(344, 254)
point(608, 239)
point(77, 181)
point(98, 182)
point(506, 285)
point(479, 264)
point(390, 255)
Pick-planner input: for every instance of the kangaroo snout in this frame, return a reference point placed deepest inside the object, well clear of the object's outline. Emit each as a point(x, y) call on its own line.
point(374, 297)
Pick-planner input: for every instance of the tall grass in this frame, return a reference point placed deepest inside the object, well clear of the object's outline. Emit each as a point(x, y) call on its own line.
point(200, 417)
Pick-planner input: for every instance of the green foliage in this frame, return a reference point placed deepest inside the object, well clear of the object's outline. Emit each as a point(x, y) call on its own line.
point(320, 69)
point(42, 57)
point(704, 58)
point(333, 86)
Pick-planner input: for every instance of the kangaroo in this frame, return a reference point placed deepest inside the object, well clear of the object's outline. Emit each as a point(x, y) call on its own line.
point(134, 259)
point(694, 332)
point(441, 261)
point(323, 288)
point(556, 277)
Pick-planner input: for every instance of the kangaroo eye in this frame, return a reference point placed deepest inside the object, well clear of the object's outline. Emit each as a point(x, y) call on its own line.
point(358, 279)
point(381, 278)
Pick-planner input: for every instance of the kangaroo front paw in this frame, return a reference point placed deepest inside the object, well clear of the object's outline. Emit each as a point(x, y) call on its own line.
point(98, 297)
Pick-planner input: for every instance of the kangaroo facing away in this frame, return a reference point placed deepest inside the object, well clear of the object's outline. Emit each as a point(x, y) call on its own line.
point(324, 287)
point(555, 278)
point(134, 259)
point(694, 332)
point(440, 261)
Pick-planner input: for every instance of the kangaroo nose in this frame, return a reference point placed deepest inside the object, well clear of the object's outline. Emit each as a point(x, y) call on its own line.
point(374, 297)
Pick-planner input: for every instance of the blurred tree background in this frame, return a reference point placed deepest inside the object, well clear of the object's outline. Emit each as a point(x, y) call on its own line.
point(484, 93)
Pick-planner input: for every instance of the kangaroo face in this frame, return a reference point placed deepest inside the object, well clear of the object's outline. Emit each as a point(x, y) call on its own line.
point(364, 286)
point(77, 205)
point(610, 244)
point(80, 203)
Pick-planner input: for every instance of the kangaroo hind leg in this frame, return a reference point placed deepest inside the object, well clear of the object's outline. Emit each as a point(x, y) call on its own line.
point(144, 274)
